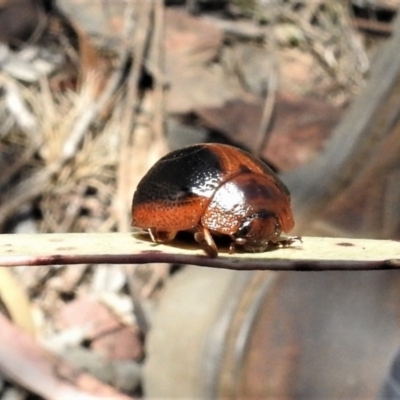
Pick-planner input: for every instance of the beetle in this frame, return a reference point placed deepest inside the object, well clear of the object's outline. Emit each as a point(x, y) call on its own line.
point(214, 190)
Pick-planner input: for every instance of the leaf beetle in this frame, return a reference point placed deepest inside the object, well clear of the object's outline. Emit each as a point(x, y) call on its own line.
point(214, 190)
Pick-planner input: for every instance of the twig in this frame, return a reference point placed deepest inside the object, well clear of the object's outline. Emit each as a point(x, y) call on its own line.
point(18, 108)
point(137, 49)
point(264, 131)
point(12, 170)
point(159, 58)
point(24, 192)
point(75, 138)
point(142, 318)
point(25, 362)
point(313, 254)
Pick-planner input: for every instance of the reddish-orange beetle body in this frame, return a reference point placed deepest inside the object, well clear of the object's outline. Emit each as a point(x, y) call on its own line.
point(213, 189)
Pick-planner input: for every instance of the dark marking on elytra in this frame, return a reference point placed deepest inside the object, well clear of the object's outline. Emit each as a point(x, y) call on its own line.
point(244, 169)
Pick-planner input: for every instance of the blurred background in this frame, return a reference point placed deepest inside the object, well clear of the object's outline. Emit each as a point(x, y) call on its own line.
point(94, 92)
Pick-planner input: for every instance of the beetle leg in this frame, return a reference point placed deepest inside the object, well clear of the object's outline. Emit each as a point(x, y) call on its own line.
point(286, 241)
point(203, 236)
point(235, 241)
point(160, 236)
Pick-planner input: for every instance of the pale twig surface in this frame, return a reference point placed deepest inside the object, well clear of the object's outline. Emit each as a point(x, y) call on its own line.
point(312, 254)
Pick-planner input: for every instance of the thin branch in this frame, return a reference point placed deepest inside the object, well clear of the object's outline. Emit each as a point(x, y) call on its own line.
point(264, 130)
point(137, 47)
point(25, 191)
point(18, 107)
point(313, 254)
point(159, 60)
point(25, 362)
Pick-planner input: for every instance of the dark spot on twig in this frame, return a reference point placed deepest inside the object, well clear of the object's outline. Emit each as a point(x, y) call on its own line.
point(345, 244)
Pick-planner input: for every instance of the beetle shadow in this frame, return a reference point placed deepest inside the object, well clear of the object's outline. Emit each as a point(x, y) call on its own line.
point(185, 240)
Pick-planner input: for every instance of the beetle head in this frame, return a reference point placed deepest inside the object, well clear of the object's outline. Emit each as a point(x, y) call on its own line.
point(257, 230)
